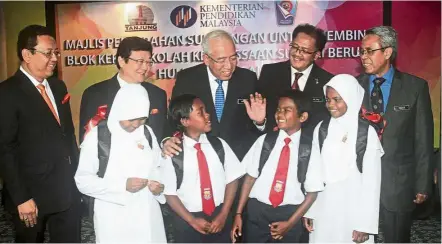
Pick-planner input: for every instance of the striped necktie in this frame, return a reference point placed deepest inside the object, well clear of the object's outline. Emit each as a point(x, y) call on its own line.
point(219, 99)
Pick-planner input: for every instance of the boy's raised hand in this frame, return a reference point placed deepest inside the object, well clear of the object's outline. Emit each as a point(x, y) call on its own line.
point(256, 108)
point(236, 228)
point(279, 229)
point(201, 225)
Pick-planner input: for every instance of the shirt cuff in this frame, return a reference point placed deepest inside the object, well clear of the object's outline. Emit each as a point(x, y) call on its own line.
point(162, 141)
point(261, 127)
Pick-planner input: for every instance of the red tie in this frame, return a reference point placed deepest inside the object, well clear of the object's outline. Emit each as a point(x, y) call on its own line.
point(278, 185)
point(206, 185)
point(295, 85)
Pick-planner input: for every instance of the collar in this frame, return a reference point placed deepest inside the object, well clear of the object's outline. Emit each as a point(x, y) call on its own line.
point(295, 137)
point(33, 80)
point(211, 76)
point(121, 81)
point(387, 76)
point(305, 73)
point(191, 142)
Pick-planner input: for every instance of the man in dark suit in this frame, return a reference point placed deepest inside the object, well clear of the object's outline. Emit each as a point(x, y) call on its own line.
point(404, 101)
point(38, 150)
point(300, 72)
point(223, 87)
point(134, 61)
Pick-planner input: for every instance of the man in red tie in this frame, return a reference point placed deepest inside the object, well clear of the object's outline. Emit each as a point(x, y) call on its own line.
point(279, 189)
point(200, 183)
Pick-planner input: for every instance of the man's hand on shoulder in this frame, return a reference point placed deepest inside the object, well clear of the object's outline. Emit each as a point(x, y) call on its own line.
point(171, 147)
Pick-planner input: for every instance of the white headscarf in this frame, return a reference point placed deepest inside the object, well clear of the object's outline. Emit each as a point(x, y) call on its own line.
point(131, 102)
point(339, 149)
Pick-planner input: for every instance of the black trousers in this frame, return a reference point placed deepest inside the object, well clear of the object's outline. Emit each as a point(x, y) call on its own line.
point(260, 215)
point(64, 227)
point(396, 226)
point(184, 233)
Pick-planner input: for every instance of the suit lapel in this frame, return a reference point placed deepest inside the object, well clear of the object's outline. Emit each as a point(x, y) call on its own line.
point(312, 80)
point(206, 95)
point(395, 93)
point(35, 97)
point(230, 102)
point(365, 83)
point(112, 92)
point(286, 76)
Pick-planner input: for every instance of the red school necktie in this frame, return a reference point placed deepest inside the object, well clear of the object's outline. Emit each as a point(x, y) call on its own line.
point(278, 186)
point(206, 184)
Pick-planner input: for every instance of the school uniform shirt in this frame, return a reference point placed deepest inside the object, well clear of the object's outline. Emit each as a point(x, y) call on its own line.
point(293, 194)
point(189, 192)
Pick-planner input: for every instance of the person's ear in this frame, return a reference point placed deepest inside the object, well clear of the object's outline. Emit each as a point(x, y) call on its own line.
point(27, 55)
point(303, 117)
point(121, 62)
point(184, 122)
point(317, 55)
point(388, 52)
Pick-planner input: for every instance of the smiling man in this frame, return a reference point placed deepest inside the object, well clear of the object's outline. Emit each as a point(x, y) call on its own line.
point(134, 61)
point(404, 101)
point(38, 150)
point(222, 86)
point(299, 73)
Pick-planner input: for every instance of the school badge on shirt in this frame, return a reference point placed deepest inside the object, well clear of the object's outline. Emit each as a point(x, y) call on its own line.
point(278, 186)
point(207, 193)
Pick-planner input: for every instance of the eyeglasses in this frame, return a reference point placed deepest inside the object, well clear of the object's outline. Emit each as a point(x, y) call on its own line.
point(140, 62)
point(48, 53)
point(231, 59)
point(369, 51)
point(297, 48)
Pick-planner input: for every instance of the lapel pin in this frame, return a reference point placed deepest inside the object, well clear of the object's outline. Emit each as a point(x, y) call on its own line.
point(317, 81)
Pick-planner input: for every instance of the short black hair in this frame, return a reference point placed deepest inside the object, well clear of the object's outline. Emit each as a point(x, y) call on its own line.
point(300, 99)
point(27, 38)
point(316, 33)
point(132, 43)
point(180, 107)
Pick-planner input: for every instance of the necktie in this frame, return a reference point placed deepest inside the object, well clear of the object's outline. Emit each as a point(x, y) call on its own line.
point(295, 85)
point(278, 186)
point(219, 99)
point(377, 99)
point(206, 184)
point(45, 96)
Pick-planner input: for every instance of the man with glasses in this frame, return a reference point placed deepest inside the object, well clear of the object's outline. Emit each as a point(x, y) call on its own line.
point(300, 72)
point(134, 62)
point(38, 149)
point(404, 101)
point(223, 87)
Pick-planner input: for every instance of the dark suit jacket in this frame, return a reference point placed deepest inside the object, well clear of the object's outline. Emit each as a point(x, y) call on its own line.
point(235, 126)
point(276, 78)
point(407, 141)
point(104, 93)
point(38, 157)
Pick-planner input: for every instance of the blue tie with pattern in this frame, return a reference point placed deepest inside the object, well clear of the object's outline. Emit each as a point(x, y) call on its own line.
point(219, 99)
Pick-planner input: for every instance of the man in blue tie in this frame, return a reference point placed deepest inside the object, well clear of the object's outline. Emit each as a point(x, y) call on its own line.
point(404, 101)
point(224, 88)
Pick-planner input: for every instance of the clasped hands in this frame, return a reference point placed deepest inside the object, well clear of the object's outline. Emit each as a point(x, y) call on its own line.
point(205, 227)
point(134, 184)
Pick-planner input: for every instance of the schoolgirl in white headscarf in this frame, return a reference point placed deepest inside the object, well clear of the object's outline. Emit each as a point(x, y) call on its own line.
point(348, 209)
point(126, 207)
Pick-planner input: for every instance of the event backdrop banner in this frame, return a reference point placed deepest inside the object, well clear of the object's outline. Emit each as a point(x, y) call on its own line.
point(88, 35)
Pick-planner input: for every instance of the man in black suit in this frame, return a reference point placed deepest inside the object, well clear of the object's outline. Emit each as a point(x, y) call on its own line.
point(134, 61)
point(300, 72)
point(38, 150)
point(223, 87)
point(404, 101)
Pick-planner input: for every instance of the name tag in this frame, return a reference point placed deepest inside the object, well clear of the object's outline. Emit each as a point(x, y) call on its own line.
point(318, 99)
point(240, 101)
point(401, 108)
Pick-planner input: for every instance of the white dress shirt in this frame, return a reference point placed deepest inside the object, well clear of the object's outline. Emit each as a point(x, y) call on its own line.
point(303, 79)
point(190, 192)
point(47, 88)
point(293, 194)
